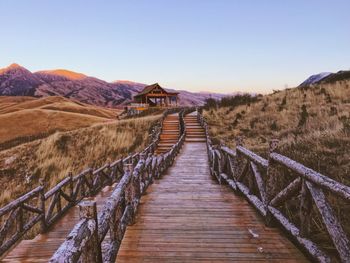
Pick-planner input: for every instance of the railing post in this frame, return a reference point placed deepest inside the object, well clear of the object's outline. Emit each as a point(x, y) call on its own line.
point(272, 180)
point(71, 187)
point(238, 162)
point(83, 180)
point(92, 250)
point(43, 225)
point(141, 180)
point(305, 209)
point(128, 169)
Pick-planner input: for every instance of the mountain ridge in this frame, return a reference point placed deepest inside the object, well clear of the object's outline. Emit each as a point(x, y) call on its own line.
point(326, 77)
point(15, 80)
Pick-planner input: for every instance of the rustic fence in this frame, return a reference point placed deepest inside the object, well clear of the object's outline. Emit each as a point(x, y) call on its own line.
point(259, 180)
point(37, 206)
point(97, 237)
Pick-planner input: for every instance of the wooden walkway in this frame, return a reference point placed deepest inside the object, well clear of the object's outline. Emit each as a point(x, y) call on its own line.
point(188, 217)
point(184, 217)
point(43, 246)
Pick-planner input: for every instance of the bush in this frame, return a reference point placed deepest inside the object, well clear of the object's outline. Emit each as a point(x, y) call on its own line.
point(303, 116)
point(283, 103)
point(232, 102)
point(210, 103)
point(274, 126)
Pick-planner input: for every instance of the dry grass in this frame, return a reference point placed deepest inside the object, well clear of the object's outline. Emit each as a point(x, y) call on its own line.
point(22, 117)
point(319, 137)
point(313, 126)
point(53, 157)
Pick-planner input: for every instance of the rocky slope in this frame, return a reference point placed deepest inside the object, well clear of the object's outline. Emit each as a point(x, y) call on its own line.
point(15, 80)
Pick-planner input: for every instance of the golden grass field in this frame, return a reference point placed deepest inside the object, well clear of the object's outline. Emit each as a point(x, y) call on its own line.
point(53, 157)
point(22, 117)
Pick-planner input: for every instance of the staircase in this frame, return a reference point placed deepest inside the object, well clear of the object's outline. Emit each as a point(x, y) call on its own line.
point(194, 131)
point(170, 133)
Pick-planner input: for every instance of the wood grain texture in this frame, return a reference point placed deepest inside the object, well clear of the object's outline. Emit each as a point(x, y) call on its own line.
point(188, 217)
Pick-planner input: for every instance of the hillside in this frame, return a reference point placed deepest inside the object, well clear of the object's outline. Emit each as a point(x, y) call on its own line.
point(53, 157)
point(15, 80)
point(26, 118)
point(312, 124)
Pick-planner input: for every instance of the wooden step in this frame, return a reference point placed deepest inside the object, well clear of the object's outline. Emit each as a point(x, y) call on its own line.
point(195, 139)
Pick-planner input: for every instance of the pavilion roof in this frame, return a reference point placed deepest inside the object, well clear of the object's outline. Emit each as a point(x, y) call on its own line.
point(149, 88)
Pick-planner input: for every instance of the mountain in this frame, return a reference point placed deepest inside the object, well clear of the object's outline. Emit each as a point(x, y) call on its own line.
point(326, 77)
point(314, 79)
point(16, 80)
point(340, 75)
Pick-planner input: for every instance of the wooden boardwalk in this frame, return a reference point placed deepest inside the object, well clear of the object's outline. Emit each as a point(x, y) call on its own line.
point(188, 217)
point(43, 246)
point(184, 217)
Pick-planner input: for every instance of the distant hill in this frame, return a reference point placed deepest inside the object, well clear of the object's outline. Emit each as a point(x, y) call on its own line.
point(17, 115)
point(326, 77)
point(16, 80)
point(314, 79)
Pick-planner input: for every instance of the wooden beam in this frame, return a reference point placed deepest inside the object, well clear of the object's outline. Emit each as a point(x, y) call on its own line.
point(333, 226)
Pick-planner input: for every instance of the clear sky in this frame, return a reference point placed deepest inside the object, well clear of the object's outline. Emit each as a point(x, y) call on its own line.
point(198, 45)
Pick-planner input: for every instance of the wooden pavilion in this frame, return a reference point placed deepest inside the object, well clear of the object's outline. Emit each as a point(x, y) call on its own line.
point(156, 96)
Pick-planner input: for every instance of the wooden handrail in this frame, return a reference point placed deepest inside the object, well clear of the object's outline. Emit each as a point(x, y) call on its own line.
point(257, 179)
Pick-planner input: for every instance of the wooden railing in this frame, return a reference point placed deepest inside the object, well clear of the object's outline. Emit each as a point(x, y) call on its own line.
point(259, 180)
point(97, 237)
point(37, 206)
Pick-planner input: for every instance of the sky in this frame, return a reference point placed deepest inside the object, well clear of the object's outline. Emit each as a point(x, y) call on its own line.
point(198, 45)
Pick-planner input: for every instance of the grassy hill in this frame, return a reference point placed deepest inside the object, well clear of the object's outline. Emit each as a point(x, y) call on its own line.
point(313, 126)
point(53, 157)
point(26, 118)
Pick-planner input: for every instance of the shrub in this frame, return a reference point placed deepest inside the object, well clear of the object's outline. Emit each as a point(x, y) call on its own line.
point(333, 111)
point(273, 126)
point(303, 116)
point(283, 103)
point(232, 102)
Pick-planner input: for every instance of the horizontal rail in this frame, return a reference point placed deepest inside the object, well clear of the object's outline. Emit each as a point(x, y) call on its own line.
point(315, 177)
point(253, 156)
point(16, 203)
point(58, 187)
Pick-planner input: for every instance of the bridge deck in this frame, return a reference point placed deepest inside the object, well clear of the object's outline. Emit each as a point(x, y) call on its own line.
point(187, 217)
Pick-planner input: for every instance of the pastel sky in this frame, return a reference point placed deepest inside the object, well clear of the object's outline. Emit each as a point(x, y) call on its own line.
point(198, 45)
